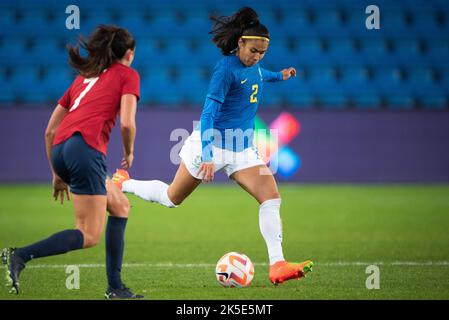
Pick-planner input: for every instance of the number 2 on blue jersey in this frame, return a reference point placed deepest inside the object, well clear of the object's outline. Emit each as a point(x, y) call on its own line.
point(253, 98)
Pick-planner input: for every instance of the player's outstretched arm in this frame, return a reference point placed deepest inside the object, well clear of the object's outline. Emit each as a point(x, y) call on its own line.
point(274, 76)
point(287, 73)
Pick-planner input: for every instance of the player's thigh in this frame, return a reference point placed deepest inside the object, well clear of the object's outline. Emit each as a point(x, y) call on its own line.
point(117, 202)
point(258, 181)
point(183, 185)
point(90, 216)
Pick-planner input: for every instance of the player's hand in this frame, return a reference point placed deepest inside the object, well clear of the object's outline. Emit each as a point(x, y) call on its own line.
point(208, 170)
point(59, 188)
point(287, 73)
point(127, 161)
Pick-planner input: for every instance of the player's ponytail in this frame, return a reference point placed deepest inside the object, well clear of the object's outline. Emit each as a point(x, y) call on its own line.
point(228, 30)
point(106, 45)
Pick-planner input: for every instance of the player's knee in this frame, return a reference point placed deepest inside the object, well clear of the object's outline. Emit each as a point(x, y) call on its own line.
point(91, 239)
point(90, 242)
point(123, 208)
point(269, 196)
point(120, 208)
point(176, 200)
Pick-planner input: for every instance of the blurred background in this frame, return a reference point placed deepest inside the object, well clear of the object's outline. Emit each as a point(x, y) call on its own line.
point(367, 106)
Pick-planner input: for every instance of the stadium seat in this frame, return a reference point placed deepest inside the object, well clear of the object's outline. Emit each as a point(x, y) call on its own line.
point(409, 51)
point(13, 46)
point(158, 87)
point(197, 22)
point(165, 24)
point(333, 99)
point(48, 51)
point(420, 79)
point(278, 50)
point(57, 80)
point(438, 51)
point(207, 54)
point(192, 85)
point(426, 22)
point(295, 23)
point(8, 18)
point(366, 98)
point(434, 102)
point(323, 77)
point(311, 51)
point(395, 21)
point(389, 80)
point(26, 85)
point(270, 97)
point(329, 22)
point(400, 101)
point(6, 94)
point(342, 48)
point(376, 51)
point(355, 80)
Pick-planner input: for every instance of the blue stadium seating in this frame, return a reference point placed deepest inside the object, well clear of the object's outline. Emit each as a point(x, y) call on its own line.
point(366, 98)
point(402, 66)
point(343, 51)
point(57, 80)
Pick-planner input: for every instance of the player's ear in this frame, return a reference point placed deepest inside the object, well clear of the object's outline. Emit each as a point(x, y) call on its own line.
point(241, 43)
point(129, 55)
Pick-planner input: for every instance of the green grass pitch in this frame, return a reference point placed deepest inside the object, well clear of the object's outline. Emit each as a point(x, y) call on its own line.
point(171, 253)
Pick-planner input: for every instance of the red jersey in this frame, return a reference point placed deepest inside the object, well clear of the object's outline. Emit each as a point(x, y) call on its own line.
point(94, 104)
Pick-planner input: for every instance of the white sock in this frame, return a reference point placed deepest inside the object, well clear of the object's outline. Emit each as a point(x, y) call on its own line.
point(271, 228)
point(153, 190)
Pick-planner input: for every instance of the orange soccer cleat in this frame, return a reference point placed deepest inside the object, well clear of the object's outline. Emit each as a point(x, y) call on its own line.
point(282, 271)
point(119, 177)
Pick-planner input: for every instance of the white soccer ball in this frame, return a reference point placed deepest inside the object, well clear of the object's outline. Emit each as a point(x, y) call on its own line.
point(234, 270)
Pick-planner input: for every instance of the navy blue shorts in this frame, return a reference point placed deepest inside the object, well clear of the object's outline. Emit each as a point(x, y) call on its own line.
point(80, 166)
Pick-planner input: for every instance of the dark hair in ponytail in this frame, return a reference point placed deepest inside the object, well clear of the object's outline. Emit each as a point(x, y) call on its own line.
point(228, 30)
point(105, 45)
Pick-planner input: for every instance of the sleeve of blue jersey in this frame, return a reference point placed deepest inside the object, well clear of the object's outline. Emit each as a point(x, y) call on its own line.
point(211, 107)
point(271, 76)
point(221, 81)
point(218, 88)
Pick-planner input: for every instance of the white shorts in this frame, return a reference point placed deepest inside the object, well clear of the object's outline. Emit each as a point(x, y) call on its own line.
point(228, 160)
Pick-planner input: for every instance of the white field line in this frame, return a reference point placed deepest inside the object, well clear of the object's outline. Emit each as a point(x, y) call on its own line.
point(211, 265)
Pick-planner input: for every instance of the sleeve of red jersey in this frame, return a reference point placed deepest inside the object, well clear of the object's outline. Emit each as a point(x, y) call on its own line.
point(131, 83)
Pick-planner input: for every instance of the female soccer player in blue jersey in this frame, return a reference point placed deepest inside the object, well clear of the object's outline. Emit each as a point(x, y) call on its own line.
point(225, 137)
point(76, 141)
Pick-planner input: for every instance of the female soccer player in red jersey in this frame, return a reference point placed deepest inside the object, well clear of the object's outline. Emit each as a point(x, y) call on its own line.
point(76, 141)
point(225, 137)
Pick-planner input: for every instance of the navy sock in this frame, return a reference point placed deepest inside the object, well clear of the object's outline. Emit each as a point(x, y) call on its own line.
point(115, 245)
point(58, 243)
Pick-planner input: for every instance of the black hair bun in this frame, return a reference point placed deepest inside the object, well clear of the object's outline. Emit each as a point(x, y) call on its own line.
point(247, 17)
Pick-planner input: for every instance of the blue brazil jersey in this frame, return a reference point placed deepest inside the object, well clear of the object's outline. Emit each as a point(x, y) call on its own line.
point(235, 91)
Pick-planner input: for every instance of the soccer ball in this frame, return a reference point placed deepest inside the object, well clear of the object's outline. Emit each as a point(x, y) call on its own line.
point(234, 270)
